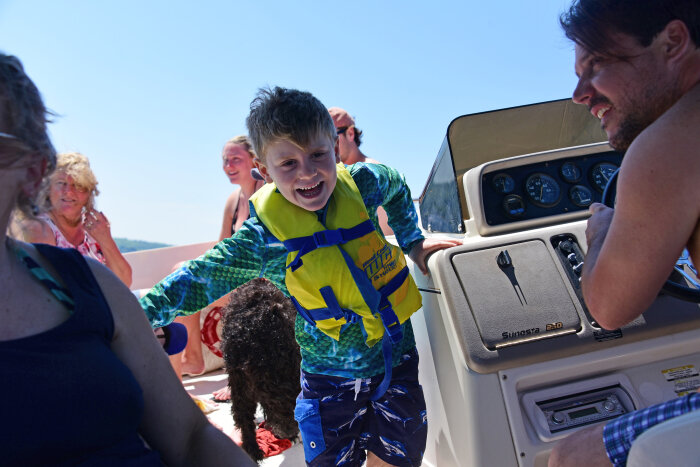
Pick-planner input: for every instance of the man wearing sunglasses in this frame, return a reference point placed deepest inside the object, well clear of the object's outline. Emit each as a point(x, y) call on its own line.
point(349, 137)
point(349, 140)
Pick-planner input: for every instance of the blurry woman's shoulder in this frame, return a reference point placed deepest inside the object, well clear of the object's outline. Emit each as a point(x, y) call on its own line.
point(32, 230)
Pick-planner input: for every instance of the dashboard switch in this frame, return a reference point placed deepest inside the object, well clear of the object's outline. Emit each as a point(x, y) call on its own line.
point(504, 259)
point(571, 257)
point(566, 246)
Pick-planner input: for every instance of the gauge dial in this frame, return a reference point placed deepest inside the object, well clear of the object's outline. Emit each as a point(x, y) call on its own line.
point(543, 190)
point(503, 183)
point(570, 172)
point(601, 173)
point(514, 206)
point(581, 196)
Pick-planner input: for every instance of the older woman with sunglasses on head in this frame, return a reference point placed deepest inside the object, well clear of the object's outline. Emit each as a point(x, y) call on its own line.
point(68, 218)
point(74, 337)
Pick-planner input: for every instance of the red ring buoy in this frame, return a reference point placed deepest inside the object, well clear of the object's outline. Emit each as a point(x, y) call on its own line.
point(210, 331)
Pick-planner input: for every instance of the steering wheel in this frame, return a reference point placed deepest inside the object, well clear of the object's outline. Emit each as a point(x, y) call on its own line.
point(675, 285)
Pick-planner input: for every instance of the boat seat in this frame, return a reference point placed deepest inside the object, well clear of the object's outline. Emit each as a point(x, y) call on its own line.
point(675, 442)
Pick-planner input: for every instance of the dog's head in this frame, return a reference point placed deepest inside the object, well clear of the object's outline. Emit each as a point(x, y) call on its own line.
point(258, 316)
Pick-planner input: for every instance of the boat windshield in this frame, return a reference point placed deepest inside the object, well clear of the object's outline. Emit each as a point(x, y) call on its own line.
point(474, 139)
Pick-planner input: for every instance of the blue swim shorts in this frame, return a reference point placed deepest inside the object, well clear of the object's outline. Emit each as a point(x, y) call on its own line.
point(338, 421)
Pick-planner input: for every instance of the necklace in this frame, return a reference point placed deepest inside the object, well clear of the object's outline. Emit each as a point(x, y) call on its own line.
point(42, 275)
point(7, 275)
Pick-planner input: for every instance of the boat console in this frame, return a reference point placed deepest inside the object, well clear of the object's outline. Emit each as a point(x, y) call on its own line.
point(511, 360)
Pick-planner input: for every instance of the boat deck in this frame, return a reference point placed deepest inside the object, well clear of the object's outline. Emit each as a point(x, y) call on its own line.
point(202, 388)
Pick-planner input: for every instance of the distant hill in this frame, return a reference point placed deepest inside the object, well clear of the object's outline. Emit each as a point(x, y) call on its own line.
point(126, 245)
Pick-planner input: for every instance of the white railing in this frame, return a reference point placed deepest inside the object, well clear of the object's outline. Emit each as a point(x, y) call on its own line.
point(150, 266)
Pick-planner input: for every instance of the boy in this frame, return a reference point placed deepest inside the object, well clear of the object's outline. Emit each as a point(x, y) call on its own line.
point(313, 233)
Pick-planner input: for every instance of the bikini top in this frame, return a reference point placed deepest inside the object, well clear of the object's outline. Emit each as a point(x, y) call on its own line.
point(235, 211)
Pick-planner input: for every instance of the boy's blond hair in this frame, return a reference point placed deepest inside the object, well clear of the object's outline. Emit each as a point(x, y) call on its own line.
point(287, 114)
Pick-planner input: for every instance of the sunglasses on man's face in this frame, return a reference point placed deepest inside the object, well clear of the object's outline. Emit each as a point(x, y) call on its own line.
point(341, 130)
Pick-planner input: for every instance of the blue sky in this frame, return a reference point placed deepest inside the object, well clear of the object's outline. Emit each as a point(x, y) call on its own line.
point(151, 90)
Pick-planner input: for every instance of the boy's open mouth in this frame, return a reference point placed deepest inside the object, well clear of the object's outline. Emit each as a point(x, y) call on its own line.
point(310, 192)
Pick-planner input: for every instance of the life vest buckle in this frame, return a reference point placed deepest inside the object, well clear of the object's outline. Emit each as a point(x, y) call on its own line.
point(350, 316)
point(390, 321)
point(334, 308)
point(326, 238)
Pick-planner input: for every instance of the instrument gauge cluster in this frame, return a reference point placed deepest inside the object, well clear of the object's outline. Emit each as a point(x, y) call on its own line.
point(541, 189)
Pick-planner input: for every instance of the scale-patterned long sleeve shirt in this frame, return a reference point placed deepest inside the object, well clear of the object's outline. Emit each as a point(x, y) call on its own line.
point(254, 252)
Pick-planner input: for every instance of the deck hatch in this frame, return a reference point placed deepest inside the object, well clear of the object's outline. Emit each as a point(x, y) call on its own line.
point(517, 300)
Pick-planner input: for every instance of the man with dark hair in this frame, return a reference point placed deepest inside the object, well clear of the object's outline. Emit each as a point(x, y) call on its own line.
point(349, 137)
point(638, 63)
point(349, 140)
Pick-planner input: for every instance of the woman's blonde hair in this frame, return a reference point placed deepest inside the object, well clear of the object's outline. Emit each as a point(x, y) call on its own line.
point(77, 166)
point(242, 140)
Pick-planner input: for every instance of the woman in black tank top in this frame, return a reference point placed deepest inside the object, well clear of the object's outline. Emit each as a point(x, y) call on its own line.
point(237, 157)
point(74, 337)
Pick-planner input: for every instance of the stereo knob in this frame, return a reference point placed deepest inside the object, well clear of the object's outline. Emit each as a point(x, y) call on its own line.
point(558, 418)
point(609, 405)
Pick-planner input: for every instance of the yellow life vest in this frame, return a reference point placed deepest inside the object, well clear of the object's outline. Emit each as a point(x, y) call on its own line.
point(331, 267)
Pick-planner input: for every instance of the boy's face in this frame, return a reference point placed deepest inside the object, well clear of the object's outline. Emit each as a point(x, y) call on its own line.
point(306, 176)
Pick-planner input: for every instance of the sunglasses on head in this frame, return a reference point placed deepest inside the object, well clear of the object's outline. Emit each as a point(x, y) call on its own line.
point(7, 135)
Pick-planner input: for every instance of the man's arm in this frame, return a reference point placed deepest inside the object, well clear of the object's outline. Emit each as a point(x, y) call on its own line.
point(631, 253)
point(610, 443)
point(582, 448)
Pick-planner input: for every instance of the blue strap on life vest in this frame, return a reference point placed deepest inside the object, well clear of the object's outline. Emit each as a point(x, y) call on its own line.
point(332, 311)
point(384, 385)
point(325, 238)
point(377, 300)
point(391, 323)
point(389, 318)
point(387, 351)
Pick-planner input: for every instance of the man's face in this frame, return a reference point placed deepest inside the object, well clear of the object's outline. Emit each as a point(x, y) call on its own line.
point(627, 95)
point(306, 176)
point(346, 141)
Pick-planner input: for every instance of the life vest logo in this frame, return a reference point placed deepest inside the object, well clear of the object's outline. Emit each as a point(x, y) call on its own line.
point(380, 264)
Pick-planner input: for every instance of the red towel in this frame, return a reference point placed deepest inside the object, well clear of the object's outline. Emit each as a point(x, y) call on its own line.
point(269, 443)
